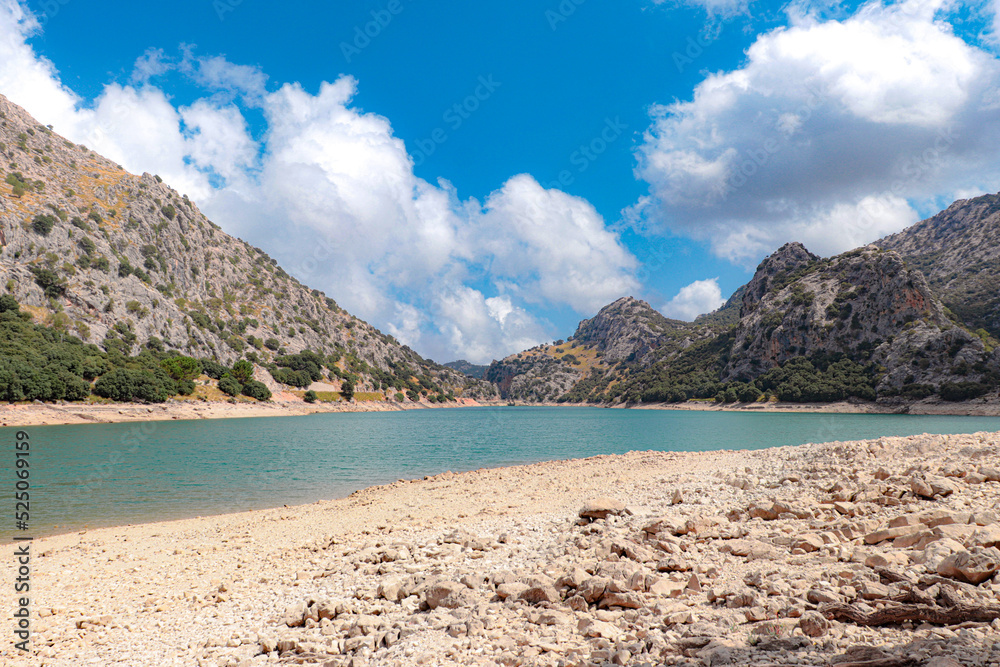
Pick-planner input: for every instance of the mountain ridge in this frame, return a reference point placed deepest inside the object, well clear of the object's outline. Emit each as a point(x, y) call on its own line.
point(92, 250)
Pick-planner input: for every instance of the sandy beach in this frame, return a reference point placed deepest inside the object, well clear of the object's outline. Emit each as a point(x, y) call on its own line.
point(764, 557)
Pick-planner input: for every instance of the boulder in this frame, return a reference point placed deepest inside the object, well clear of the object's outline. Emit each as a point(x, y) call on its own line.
point(447, 594)
point(602, 507)
point(975, 568)
point(814, 624)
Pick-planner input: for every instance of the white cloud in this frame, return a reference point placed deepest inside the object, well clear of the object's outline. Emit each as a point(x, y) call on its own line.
point(330, 192)
point(701, 296)
point(832, 133)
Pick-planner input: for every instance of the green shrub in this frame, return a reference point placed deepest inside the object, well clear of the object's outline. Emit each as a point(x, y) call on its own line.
point(962, 391)
point(43, 224)
point(50, 283)
point(214, 369)
point(310, 396)
point(125, 384)
point(182, 368)
point(272, 344)
point(257, 390)
point(230, 385)
point(184, 387)
point(9, 303)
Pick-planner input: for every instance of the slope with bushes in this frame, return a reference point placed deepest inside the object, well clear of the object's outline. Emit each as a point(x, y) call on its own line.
point(124, 261)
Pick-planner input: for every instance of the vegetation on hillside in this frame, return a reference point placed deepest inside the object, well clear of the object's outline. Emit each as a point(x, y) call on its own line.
point(39, 363)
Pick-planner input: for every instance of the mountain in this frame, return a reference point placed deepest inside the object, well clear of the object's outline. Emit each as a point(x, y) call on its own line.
point(124, 260)
point(958, 250)
point(467, 368)
point(623, 335)
point(865, 324)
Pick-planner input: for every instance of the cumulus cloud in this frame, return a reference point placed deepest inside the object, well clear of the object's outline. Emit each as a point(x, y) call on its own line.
point(701, 296)
point(330, 192)
point(832, 133)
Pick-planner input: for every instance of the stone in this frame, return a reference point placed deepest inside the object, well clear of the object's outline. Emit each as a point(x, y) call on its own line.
point(974, 568)
point(295, 615)
point(808, 542)
point(887, 534)
point(873, 590)
point(908, 540)
point(448, 594)
point(677, 498)
point(592, 589)
point(822, 596)
point(539, 594)
point(602, 507)
point(591, 627)
point(814, 624)
point(990, 473)
point(625, 600)
point(391, 590)
point(920, 487)
point(906, 520)
point(987, 536)
point(512, 589)
point(846, 508)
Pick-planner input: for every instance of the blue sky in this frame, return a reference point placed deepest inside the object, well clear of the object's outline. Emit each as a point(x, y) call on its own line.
point(475, 178)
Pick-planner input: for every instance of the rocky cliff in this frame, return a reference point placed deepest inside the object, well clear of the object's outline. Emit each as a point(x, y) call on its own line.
point(958, 250)
point(865, 305)
point(103, 254)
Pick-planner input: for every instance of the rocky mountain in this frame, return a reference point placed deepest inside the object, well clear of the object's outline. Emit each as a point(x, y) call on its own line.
point(865, 324)
point(958, 250)
point(865, 305)
point(92, 250)
point(624, 334)
point(468, 368)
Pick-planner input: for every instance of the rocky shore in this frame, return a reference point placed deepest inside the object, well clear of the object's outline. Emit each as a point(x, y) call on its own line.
point(284, 405)
point(879, 553)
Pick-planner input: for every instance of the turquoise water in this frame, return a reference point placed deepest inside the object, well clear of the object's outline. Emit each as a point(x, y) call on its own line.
point(115, 474)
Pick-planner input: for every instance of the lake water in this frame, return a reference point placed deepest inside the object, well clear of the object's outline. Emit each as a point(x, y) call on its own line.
point(115, 474)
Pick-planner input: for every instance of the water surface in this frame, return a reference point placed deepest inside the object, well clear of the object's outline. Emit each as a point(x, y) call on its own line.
point(116, 474)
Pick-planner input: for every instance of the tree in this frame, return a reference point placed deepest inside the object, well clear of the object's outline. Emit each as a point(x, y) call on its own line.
point(243, 371)
point(347, 389)
point(181, 367)
point(310, 396)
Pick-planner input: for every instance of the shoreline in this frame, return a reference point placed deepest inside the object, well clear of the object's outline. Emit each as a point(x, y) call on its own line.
point(237, 589)
point(61, 414)
point(53, 414)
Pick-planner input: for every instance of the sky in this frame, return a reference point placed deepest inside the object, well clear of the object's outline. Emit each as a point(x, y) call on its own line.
point(476, 178)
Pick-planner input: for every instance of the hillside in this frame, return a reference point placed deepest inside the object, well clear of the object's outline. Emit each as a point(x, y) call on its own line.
point(476, 371)
point(861, 325)
point(958, 250)
point(624, 335)
point(124, 260)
